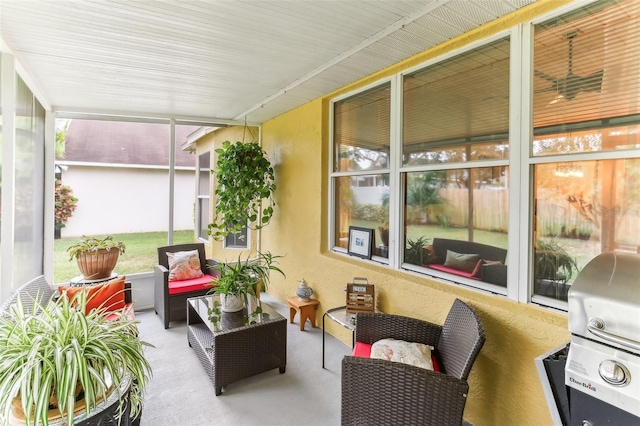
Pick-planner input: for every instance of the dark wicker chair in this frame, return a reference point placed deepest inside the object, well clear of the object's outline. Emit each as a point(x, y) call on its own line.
point(173, 307)
point(380, 392)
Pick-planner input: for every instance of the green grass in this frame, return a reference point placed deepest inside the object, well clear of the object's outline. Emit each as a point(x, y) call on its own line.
point(140, 256)
point(497, 239)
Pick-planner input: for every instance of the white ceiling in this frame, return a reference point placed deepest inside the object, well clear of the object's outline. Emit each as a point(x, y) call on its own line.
point(221, 59)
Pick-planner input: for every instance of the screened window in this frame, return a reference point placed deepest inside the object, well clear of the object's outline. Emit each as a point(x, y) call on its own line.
point(585, 101)
point(29, 184)
point(204, 191)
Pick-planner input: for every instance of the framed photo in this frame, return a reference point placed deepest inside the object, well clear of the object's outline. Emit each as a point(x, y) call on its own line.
point(360, 242)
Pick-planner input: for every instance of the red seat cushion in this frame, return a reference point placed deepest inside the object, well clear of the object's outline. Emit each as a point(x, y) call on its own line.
point(130, 314)
point(187, 286)
point(363, 350)
point(453, 271)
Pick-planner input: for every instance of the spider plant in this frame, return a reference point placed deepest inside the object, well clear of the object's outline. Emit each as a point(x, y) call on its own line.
point(415, 252)
point(246, 276)
point(553, 260)
point(59, 351)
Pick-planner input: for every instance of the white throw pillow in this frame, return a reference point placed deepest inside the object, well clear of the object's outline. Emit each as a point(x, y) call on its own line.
point(184, 265)
point(410, 353)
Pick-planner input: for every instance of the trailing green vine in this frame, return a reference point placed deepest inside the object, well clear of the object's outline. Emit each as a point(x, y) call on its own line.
point(244, 189)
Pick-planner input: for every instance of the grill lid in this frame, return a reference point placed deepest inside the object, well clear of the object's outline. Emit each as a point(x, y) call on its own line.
point(604, 301)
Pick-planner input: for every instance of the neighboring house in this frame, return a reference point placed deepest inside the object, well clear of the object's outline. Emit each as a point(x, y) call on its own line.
point(117, 169)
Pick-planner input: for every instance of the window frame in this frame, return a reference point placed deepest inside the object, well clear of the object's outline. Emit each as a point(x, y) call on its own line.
point(521, 164)
point(247, 240)
point(393, 82)
point(202, 198)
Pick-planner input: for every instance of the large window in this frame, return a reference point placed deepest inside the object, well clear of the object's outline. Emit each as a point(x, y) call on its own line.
point(444, 200)
point(441, 181)
point(362, 138)
point(585, 102)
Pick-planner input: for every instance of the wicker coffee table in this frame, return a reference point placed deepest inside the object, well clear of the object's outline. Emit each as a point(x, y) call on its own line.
point(233, 346)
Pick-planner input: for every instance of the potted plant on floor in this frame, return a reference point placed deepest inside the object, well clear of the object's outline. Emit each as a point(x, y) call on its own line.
point(60, 364)
point(416, 252)
point(238, 279)
point(97, 257)
point(553, 261)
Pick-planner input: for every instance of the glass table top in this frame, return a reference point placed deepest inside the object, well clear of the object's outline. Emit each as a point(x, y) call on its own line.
point(255, 312)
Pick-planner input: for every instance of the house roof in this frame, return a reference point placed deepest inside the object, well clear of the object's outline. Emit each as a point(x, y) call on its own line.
point(97, 141)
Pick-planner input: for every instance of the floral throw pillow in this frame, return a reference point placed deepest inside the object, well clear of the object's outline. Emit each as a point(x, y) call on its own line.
point(416, 354)
point(184, 265)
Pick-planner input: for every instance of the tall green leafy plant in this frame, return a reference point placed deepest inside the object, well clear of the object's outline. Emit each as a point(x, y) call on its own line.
point(244, 192)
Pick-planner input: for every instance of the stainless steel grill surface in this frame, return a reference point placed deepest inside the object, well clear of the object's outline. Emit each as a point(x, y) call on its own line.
point(603, 364)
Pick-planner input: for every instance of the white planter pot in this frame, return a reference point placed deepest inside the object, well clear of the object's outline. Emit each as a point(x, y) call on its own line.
point(231, 302)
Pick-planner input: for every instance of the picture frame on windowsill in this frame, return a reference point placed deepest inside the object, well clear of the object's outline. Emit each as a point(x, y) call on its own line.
point(360, 242)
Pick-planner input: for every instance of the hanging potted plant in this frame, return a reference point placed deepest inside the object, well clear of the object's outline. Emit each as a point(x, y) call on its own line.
point(97, 257)
point(60, 364)
point(244, 191)
point(244, 277)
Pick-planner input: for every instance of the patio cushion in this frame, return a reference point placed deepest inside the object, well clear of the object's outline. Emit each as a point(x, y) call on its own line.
point(412, 353)
point(477, 271)
point(109, 295)
point(184, 265)
point(186, 286)
point(363, 350)
point(463, 261)
point(452, 271)
point(129, 311)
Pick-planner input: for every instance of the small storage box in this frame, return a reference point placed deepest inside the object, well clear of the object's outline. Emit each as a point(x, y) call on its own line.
point(361, 296)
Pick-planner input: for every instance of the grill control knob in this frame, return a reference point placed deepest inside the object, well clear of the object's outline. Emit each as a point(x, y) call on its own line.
point(596, 323)
point(614, 373)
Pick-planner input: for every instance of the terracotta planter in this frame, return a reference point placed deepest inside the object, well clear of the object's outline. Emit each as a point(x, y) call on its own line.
point(96, 265)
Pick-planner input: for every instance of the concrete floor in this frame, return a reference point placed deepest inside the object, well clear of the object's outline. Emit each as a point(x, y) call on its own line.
point(180, 392)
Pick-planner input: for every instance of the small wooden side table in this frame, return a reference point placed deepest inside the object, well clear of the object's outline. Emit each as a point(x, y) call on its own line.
point(307, 310)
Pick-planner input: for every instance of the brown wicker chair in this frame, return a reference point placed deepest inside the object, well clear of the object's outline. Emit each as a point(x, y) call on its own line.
point(380, 392)
point(173, 307)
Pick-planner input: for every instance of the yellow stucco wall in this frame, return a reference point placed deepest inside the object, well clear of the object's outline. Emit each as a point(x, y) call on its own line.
point(505, 387)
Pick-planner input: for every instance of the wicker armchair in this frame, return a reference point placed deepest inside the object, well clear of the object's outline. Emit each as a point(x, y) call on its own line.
point(171, 303)
point(380, 392)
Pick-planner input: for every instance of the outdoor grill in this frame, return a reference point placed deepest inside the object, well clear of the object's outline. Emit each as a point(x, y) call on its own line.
point(602, 373)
